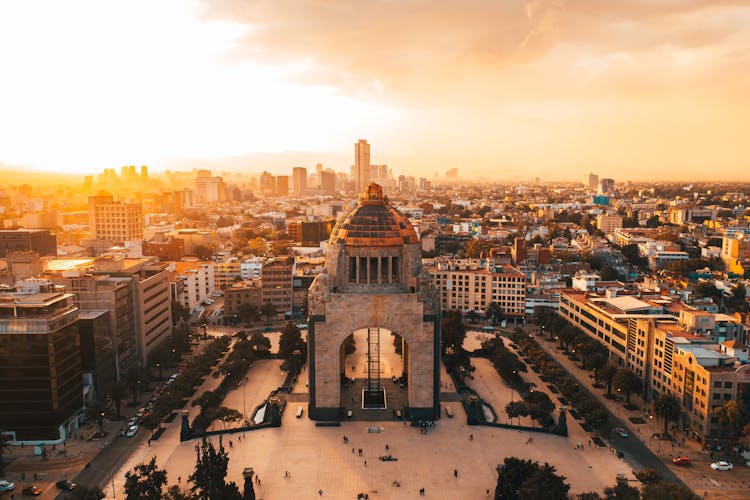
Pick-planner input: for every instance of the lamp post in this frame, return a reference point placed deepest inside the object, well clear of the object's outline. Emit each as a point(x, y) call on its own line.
point(512, 392)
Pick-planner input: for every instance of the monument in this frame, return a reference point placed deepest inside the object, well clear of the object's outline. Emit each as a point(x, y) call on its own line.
point(373, 281)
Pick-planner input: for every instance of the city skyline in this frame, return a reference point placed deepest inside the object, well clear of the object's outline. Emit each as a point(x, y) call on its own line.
point(506, 91)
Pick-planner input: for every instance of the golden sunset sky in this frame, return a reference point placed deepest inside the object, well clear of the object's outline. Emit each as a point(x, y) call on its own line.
point(505, 89)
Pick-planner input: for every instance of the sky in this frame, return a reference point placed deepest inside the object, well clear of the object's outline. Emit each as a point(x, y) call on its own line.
point(501, 89)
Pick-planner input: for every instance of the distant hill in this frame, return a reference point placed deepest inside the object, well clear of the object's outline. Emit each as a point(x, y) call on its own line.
point(19, 175)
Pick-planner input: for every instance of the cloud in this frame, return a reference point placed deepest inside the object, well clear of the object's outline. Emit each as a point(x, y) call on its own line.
point(423, 49)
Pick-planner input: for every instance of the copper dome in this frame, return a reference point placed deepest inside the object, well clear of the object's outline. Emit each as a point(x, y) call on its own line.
point(373, 223)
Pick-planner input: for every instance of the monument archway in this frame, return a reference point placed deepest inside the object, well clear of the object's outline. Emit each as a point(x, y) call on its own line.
point(373, 279)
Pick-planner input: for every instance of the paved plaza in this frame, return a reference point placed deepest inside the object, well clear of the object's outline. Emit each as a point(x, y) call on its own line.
point(318, 459)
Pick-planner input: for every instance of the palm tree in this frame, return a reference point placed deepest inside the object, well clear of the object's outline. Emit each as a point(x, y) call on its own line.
point(627, 381)
point(667, 407)
point(494, 311)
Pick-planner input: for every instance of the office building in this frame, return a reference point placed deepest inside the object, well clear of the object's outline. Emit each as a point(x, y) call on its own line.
point(209, 189)
point(299, 180)
point(267, 184)
point(591, 180)
point(282, 185)
point(606, 186)
point(608, 224)
point(473, 284)
point(41, 383)
point(328, 182)
point(361, 165)
point(113, 220)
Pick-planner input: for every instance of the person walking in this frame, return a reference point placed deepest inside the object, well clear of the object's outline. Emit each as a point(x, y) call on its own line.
point(455, 472)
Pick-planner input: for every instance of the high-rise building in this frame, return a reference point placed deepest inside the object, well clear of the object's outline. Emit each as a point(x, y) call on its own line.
point(209, 189)
point(282, 185)
point(41, 383)
point(591, 180)
point(299, 180)
point(114, 220)
point(328, 182)
point(606, 186)
point(144, 173)
point(608, 224)
point(361, 165)
point(267, 183)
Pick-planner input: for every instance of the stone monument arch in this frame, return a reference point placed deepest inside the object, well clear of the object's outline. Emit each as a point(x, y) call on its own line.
point(373, 279)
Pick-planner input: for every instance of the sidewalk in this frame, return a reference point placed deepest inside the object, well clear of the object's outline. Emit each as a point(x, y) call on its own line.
point(700, 478)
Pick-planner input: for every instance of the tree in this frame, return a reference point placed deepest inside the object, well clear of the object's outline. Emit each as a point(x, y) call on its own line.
point(452, 330)
point(662, 490)
point(648, 475)
point(259, 342)
point(607, 375)
point(179, 312)
point(208, 480)
point(608, 273)
point(589, 495)
point(95, 410)
point(5, 440)
point(204, 252)
point(290, 341)
point(268, 310)
point(134, 379)
point(516, 409)
point(540, 406)
point(472, 316)
point(668, 408)
point(622, 491)
point(494, 311)
point(544, 484)
point(175, 493)
point(116, 395)
point(511, 476)
point(477, 248)
point(249, 312)
point(628, 382)
point(731, 416)
point(145, 481)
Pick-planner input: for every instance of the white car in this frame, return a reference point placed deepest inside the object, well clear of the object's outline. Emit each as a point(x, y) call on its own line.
point(722, 465)
point(7, 485)
point(131, 431)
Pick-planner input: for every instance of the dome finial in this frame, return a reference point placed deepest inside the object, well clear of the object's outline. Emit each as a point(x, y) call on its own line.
point(374, 192)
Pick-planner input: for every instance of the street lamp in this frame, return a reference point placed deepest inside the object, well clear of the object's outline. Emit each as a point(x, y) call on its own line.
point(512, 392)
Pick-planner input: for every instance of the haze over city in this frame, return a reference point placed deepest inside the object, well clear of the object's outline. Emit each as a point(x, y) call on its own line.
point(328, 249)
point(502, 90)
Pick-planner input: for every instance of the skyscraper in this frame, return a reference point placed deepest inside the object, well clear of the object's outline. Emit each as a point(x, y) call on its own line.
point(361, 165)
point(299, 180)
point(282, 185)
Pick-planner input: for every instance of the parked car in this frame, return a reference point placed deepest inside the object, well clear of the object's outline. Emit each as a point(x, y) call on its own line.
point(7, 485)
point(682, 461)
point(621, 432)
point(66, 485)
point(722, 465)
point(132, 430)
point(32, 491)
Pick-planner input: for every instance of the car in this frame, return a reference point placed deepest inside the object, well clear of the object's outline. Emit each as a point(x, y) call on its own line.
point(66, 485)
point(131, 431)
point(302, 326)
point(7, 485)
point(722, 465)
point(32, 491)
point(267, 329)
point(621, 432)
point(124, 431)
point(681, 461)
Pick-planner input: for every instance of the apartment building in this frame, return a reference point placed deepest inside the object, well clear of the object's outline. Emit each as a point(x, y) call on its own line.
point(608, 223)
point(113, 220)
point(41, 383)
point(198, 279)
point(226, 272)
point(242, 293)
point(277, 283)
point(671, 346)
point(473, 284)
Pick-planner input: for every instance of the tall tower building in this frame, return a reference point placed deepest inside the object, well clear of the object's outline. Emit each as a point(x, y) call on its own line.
point(114, 220)
point(299, 180)
point(282, 185)
point(361, 165)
